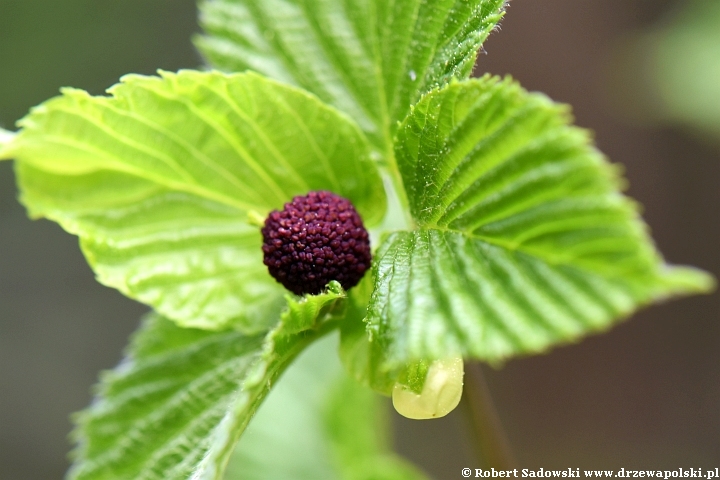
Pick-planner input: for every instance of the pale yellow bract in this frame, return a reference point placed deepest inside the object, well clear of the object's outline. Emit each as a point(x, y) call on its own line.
point(440, 394)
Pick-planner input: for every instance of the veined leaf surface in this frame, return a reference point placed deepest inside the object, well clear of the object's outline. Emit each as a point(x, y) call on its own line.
point(158, 180)
point(524, 240)
point(177, 405)
point(371, 59)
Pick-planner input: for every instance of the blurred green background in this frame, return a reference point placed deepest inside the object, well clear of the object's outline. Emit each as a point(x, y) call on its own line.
point(645, 395)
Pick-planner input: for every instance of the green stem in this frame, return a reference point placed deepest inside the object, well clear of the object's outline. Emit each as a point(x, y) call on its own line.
point(491, 444)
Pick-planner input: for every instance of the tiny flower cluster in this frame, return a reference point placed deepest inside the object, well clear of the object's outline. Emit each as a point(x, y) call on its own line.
point(314, 239)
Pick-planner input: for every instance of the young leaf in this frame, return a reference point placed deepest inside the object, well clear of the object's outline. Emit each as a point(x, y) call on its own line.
point(158, 181)
point(524, 240)
point(175, 408)
point(371, 59)
point(318, 424)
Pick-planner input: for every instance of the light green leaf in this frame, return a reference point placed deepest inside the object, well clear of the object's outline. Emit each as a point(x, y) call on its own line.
point(371, 59)
point(318, 424)
point(524, 240)
point(175, 408)
point(158, 181)
point(5, 138)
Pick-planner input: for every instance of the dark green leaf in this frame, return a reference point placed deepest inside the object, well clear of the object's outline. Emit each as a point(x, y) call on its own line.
point(370, 58)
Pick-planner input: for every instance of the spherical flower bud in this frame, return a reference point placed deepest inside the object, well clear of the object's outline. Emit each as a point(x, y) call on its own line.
point(314, 239)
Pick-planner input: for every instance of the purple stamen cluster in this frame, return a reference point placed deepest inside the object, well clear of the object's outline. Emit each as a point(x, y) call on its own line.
point(314, 239)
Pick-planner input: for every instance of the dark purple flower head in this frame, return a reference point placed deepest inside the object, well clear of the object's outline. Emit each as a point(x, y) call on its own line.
point(314, 239)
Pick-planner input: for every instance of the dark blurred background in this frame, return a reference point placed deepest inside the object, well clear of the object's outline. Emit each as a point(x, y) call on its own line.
point(644, 395)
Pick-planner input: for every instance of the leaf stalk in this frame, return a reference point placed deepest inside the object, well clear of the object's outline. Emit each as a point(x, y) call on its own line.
point(492, 447)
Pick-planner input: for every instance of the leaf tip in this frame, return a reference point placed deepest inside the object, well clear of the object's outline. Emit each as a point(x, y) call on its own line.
point(682, 280)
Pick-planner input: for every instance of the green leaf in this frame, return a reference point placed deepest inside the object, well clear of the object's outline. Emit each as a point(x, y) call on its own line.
point(318, 424)
point(371, 59)
point(179, 402)
point(158, 181)
point(524, 240)
point(5, 138)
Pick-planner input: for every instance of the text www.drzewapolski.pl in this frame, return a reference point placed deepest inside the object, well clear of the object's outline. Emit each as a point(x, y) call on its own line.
point(706, 474)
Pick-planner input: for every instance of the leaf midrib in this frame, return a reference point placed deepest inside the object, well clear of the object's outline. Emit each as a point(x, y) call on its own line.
point(118, 165)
